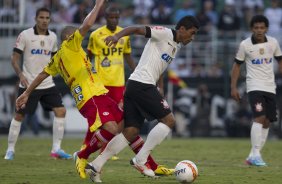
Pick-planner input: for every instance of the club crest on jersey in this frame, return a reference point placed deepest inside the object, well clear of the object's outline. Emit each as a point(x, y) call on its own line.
point(121, 41)
point(42, 43)
point(259, 107)
point(261, 51)
point(165, 104)
point(167, 58)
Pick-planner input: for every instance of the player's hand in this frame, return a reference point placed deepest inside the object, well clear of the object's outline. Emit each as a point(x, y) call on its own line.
point(235, 94)
point(21, 101)
point(23, 80)
point(111, 41)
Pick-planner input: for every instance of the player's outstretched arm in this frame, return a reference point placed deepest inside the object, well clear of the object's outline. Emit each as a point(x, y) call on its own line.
point(90, 18)
point(111, 41)
point(21, 100)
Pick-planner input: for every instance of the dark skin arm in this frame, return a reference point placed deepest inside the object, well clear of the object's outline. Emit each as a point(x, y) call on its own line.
point(129, 60)
point(280, 66)
point(90, 55)
point(161, 85)
point(15, 63)
point(111, 41)
point(90, 18)
point(235, 73)
point(22, 100)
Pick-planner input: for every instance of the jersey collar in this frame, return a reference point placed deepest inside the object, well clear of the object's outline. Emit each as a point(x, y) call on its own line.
point(254, 40)
point(174, 34)
point(36, 32)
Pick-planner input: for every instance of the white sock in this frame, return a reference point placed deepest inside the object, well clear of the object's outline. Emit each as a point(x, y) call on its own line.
point(14, 132)
point(154, 138)
point(116, 145)
point(264, 134)
point(256, 132)
point(58, 133)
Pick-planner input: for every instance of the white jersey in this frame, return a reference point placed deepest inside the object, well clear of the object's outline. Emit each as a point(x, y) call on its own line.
point(36, 50)
point(158, 53)
point(259, 58)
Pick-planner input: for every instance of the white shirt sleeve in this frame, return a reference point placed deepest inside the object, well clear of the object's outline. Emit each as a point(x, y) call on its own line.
point(159, 32)
point(277, 51)
point(241, 53)
point(20, 42)
point(55, 46)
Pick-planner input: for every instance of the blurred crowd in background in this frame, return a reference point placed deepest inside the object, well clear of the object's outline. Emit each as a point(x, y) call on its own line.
point(228, 15)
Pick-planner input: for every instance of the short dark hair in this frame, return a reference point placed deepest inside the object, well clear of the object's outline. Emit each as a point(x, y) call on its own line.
point(111, 9)
point(258, 19)
point(43, 9)
point(188, 22)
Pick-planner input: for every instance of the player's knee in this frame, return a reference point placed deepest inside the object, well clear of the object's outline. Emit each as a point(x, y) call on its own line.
point(60, 112)
point(266, 124)
point(19, 117)
point(130, 133)
point(111, 127)
point(169, 120)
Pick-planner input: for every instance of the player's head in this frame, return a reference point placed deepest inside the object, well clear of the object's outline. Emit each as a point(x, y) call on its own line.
point(67, 32)
point(259, 19)
point(42, 18)
point(259, 26)
point(186, 29)
point(112, 15)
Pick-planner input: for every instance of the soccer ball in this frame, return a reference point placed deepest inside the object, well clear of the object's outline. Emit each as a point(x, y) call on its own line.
point(186, 171)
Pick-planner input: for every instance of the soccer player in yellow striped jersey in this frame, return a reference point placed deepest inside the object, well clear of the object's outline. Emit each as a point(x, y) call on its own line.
point(102, 113)
point(109, 64)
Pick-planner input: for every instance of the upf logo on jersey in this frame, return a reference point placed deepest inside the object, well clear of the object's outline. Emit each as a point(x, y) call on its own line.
point(40, 52)
point(167, 58)
point(259, 107)
point(261, 61)
point(112, 51)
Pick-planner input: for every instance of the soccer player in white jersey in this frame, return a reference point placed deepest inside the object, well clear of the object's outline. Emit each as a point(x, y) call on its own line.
point(37, 44)
point(142, 98)
point(258, 53)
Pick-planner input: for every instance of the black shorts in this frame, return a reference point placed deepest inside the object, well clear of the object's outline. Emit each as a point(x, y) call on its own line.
point(143, 101)
point(49, 98)
point(263, 103)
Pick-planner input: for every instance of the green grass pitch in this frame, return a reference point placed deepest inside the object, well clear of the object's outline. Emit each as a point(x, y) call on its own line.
point(219, 161)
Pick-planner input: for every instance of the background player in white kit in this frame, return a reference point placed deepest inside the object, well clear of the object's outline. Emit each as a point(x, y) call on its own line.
point(142, 98)
point(258, 52)
point(37, 44)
